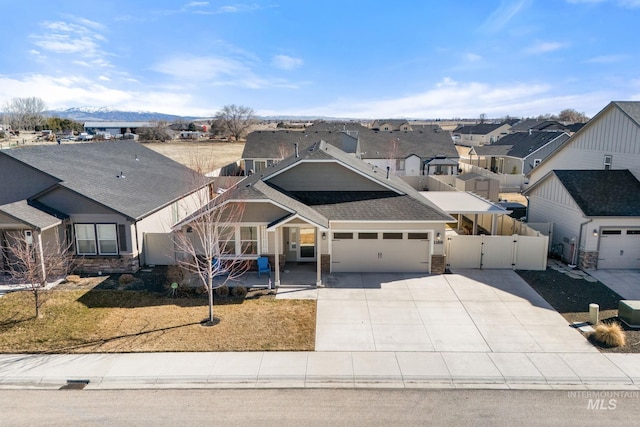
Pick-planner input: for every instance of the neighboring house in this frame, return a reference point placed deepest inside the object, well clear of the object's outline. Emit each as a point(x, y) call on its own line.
point(428, 151)
point(326, 207)
point(516, 153)
point(116, 128)
point(528, 125)
point(589, 189)
point(103, 198)
point(480, 134)
point(391, 125)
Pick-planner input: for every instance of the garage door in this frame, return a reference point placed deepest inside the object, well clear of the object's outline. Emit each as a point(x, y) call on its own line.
point(619, 248)
point(380, 252)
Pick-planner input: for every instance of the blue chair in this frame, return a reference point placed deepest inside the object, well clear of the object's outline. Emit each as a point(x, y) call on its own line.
point(264, 266)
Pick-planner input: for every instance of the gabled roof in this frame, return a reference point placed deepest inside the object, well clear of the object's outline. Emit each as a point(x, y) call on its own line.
point(425, 143)
point(521, 144)
point(124, 175)
point(22, 212)
point(536, 124)
point(396, 200)
point(478, 129)
point(630, 108)
point(395, 123)
point(601, 192)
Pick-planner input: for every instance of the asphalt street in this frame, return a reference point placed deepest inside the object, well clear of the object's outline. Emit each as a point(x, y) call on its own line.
point(315, 407)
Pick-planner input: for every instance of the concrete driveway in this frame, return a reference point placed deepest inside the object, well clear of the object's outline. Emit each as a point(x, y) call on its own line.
point(625, 282)
point(468, 311)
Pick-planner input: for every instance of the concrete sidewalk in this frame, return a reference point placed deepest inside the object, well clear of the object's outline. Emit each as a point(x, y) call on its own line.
point(324, 369)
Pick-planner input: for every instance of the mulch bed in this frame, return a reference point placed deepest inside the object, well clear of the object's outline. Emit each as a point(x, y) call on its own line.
point(571, 298)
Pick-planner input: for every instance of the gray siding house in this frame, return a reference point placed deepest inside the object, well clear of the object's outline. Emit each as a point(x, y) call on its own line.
point(103, 198)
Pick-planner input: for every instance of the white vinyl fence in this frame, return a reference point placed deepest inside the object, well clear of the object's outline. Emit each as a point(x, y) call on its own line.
point(517, 252)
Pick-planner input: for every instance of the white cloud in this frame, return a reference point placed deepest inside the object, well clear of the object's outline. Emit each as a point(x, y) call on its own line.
point(449, 99)
point(500, 17)
point(285, 62)
point(473, 57)
point(631, 4)
point(545, 47)
point(197, 4)
point(606, 59)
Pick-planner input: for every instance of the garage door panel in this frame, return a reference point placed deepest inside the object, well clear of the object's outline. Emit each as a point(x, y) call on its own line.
point(619, 249)
point(380, 255)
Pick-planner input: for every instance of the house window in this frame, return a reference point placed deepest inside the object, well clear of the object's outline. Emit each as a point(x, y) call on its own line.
point(400, 163)
point(249, 240)
point(96, 239)
point(607, 162)
point(418, 236)
point(107, 239)
point(392, 236)
point(259, 165)
point(342, 236)
point(238, 240)
point(536, 162)
point(367, 236)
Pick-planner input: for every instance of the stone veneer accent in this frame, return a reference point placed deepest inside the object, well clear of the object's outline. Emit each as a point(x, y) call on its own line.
point(587, 260)
point(438, 264)
point(325, 263)
point(107, 265)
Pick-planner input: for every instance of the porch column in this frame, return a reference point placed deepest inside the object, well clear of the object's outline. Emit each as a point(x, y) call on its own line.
point(276, 260)
point(318, 256)
point(475, 224)
point(494, 224)
point(41, 255)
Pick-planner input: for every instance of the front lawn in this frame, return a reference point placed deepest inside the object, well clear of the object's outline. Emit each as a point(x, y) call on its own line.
point(89, 321)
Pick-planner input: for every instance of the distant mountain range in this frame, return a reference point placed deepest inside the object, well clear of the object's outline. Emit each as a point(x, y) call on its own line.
point(97, 114)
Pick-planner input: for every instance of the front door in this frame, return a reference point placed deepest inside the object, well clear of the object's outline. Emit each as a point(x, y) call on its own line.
point(307, 244)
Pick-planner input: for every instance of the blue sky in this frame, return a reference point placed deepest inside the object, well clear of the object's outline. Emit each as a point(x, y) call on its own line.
point(349, 58)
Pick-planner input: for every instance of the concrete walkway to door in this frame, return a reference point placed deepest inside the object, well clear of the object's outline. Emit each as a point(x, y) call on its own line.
point(468, 311)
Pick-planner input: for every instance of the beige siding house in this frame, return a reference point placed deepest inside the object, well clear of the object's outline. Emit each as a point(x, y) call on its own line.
point(327, 208)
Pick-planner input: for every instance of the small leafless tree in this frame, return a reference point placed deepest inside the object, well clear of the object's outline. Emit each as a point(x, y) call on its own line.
point(24, 113)
point(207, 242)
point(236, 119)
point(570, 115)
point(34, 263)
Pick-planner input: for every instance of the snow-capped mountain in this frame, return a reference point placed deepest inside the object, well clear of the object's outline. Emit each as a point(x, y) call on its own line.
point(85, 114)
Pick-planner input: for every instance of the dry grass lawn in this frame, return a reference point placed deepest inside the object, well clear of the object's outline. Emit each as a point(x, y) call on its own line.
point(84, 321)
point(213, 153)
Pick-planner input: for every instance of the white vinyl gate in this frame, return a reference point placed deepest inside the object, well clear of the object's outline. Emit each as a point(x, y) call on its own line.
point(159, 249)
point(516, 252)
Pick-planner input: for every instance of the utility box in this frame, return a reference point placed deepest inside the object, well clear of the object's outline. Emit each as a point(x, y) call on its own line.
point(629, 312)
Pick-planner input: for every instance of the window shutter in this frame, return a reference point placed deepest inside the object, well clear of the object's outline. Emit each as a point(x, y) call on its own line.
point(122, 238)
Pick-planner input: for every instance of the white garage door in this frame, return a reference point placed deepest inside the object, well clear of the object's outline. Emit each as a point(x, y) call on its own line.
point(619, 248)
point(380, 252)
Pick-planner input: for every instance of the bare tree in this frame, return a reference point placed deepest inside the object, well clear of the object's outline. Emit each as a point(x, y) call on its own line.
point(25, 113)
point(483, 118)
point(35, 263)
point(208, 242)
point(236, 119)
point(572, 116)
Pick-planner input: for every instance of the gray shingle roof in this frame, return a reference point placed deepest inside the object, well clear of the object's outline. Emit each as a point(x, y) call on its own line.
point(478, 129)
point(603, 192)
point(151, 180)
point(521, 144)
point(425, 143)
point(631, 108)
point(29, 215)
point(399, 201)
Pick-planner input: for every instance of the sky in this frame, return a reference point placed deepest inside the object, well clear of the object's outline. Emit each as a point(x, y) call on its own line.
point(420, 59)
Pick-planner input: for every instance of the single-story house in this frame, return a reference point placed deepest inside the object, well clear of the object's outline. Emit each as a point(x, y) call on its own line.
point(102, 198)
point(324, 206)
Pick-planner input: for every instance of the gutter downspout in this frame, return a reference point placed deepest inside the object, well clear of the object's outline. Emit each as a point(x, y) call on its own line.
point(580, 237)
